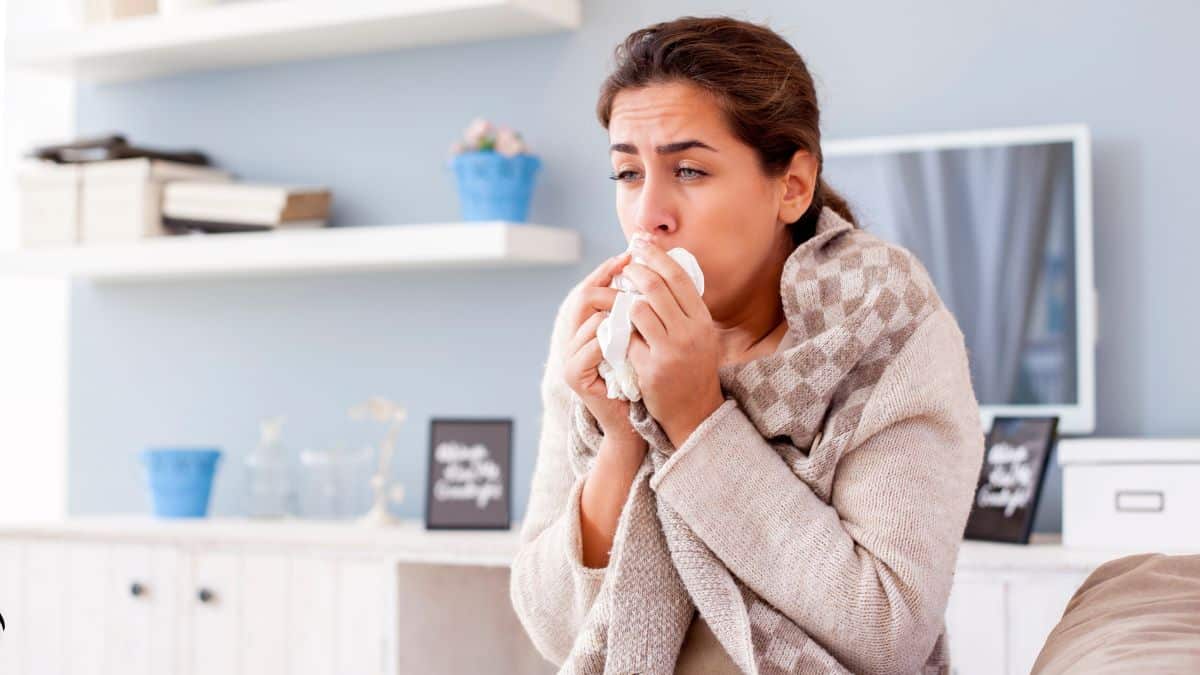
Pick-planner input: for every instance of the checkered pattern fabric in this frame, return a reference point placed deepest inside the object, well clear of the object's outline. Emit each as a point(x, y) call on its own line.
point(853, 300)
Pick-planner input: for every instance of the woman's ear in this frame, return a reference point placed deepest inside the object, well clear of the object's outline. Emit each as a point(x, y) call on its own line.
point(798, 184)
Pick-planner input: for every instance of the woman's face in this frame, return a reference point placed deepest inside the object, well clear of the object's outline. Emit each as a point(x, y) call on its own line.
point(683, 177)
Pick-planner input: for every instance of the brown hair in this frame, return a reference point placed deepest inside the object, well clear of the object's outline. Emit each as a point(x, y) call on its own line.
point(758, 78)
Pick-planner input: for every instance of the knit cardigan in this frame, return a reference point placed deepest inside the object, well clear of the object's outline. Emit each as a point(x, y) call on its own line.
point(861, 557)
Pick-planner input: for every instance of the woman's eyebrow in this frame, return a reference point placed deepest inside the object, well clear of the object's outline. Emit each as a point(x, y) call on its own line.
point(678, 146)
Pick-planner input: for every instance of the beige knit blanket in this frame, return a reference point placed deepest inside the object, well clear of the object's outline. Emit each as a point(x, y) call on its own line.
point(852, 302)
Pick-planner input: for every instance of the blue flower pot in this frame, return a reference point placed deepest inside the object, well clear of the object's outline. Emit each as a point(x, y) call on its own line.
point(180, 480)
point(494, 187)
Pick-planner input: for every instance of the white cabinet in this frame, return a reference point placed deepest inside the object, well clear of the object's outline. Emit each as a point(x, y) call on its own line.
point(1037, 602)
point(211, 615)
point(265, 610)
point(92, 607)
point(39, 625)
point(1007, 598)
point(132, 595)
point(142, 592)
point(12, 603)
point(359, 632)
point(975, 626)
point(87, 566)
point(312, 618)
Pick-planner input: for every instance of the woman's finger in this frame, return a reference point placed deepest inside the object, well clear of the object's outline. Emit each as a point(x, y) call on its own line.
point(645, 319)
point(675, 278)
point(585, 363)
point(591, 299)
point(605, 271)
point(656, 291)
point(593, 292)
point(587, 331)
point(638, 353)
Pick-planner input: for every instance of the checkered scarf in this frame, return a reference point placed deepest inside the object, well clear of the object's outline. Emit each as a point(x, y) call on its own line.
point(853, 301)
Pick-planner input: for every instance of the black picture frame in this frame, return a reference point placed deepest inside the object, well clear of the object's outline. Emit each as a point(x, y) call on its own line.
point(991, 518)
point(496, 436)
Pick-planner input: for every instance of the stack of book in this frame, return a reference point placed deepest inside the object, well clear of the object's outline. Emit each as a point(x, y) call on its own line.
point(194, 206)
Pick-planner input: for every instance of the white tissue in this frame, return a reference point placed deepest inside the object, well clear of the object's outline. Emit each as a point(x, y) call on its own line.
point(614, 331)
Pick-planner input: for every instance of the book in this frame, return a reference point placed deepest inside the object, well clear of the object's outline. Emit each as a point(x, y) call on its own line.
point(248, 203)
point(189, 225)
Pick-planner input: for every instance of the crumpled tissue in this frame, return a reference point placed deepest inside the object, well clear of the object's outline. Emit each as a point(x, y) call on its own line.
point(614, 331)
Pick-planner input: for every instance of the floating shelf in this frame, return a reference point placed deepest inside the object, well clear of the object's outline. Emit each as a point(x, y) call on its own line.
point(336, 249)
point(269, 31)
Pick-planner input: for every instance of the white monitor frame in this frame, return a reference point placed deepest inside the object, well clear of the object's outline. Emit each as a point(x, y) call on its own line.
point(1078, 418)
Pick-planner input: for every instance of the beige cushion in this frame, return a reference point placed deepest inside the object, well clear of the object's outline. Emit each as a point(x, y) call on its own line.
point(1138, 614)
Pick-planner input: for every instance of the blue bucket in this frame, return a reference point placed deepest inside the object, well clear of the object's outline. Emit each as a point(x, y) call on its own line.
point(492, 186)
point(180, 480)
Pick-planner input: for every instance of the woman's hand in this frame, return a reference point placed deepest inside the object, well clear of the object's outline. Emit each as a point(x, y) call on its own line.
point(676, 350)
point(590, 302)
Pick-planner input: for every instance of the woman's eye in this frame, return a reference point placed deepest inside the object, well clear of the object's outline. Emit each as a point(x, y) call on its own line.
point(684, 172)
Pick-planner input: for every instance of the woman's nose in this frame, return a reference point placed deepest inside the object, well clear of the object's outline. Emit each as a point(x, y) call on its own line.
point(656, 212)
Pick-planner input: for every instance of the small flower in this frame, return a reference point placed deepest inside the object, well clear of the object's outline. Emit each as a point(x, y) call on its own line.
point(478, 133)
point(509, 143)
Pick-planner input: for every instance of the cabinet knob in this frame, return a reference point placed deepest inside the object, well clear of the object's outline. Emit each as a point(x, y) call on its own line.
point(206, 596)
point(136, 589)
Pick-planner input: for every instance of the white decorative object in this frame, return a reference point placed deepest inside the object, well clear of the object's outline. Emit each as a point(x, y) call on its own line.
point(1131, 494)
point(382, 410)
point(615, 330)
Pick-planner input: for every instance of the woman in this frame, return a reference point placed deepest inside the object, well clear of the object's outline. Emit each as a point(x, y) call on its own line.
point(790, 491)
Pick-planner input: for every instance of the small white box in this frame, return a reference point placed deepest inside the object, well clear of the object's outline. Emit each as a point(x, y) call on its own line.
point(49, 203)
point(1131, 494)
point(122, 198)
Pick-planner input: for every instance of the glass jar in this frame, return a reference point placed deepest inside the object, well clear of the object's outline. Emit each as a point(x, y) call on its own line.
point(335, 482)
point(269, 493)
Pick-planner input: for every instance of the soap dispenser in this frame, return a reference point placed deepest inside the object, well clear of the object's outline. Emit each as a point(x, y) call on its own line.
point(268, 472)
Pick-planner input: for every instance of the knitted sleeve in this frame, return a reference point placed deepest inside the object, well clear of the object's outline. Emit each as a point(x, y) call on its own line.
point(551, 590)
point(867, 575)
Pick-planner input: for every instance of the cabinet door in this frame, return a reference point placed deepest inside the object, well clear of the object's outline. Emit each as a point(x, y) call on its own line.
point(142, 597)
point(976, 625)
point(264, 614)
point(87, 622)
point(213, 619)
point(313, 616)
point(1036, 604)
point(12, 607)
point(44, 611)
point(363, 598)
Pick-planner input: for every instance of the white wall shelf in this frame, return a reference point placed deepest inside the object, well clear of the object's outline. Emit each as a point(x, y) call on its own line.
point(270, 31)
point(279, 253)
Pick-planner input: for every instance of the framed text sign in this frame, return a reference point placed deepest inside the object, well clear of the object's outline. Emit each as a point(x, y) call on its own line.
point(1015, 457)
point(470, 474)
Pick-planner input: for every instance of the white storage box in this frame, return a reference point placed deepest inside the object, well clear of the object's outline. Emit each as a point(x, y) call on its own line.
point(49, 203)
point(1131, 495)
point(122, 198)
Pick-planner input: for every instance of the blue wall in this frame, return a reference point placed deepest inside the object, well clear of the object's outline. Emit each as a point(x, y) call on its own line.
point(202, 362)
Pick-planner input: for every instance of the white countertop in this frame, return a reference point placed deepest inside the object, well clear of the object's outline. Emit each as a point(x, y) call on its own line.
point(409, 541)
